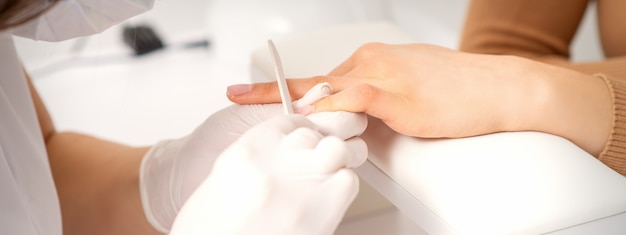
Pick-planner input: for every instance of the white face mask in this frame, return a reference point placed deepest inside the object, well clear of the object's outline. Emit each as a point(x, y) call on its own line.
point(76, 18)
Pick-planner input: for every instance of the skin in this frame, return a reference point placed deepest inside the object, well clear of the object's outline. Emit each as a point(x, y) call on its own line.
point(97, 181)
point(433, 92)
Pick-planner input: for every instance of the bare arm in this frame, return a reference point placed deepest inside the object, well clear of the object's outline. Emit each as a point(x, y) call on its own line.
point(96, 180)
point(543, 31)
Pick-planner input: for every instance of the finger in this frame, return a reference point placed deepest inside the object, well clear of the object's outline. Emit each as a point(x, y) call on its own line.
point(317, 92)
point(306, 153)
point(341, 124)
point(358, 152)
point(333, 154)
point(301, 138)
point(295, 154)
point(263, 93)
point(327, 156)
point(268, 92)
point(275, 129)
point(247, 116)
point(362, 98)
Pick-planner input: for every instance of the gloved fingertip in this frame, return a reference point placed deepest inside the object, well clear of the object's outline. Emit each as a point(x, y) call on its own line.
point(325, 89)
point(314, 94)
point(359, 152)
point(304, 110)
point(341, 124)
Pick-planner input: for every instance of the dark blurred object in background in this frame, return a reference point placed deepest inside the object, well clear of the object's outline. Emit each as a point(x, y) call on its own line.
point(142, 39)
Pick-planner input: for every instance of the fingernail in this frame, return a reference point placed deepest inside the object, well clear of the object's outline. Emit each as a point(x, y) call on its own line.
point(239, 89)
point(304, 110)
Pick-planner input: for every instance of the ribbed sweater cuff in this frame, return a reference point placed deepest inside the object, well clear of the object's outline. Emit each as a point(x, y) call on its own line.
point(614, 153)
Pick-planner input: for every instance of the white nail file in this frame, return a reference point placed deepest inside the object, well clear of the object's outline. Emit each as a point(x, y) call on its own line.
point(280, 78)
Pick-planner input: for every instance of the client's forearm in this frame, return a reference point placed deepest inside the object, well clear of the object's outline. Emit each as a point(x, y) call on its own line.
point(574, 105)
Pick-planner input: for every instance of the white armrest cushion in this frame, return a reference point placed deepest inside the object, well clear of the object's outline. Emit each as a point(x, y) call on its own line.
point(504, 183)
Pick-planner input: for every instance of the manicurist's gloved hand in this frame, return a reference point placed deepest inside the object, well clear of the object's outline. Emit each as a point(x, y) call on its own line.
point(282, 177)
point(172, 169)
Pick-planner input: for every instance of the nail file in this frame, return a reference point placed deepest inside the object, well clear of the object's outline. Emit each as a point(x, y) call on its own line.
point(280, 78)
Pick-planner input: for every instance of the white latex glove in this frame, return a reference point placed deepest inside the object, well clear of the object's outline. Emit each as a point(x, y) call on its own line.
point(280, 178)
point(172, 169)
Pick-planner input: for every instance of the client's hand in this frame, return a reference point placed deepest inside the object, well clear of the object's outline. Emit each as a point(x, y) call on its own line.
point(430, 91)
point(282, 177)
point(172, 169)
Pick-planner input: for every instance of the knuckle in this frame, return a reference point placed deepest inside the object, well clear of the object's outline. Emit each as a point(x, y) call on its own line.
point(368, 50)
point(365, 91)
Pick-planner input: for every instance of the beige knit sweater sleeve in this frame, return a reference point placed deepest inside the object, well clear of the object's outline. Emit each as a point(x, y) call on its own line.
point(543, 30)
point(614, 154)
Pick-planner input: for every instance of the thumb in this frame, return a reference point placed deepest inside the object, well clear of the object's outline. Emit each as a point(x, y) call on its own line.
point(361, 98)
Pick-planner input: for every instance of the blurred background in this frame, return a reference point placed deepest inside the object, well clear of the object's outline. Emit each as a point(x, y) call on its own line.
point(97, 85)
